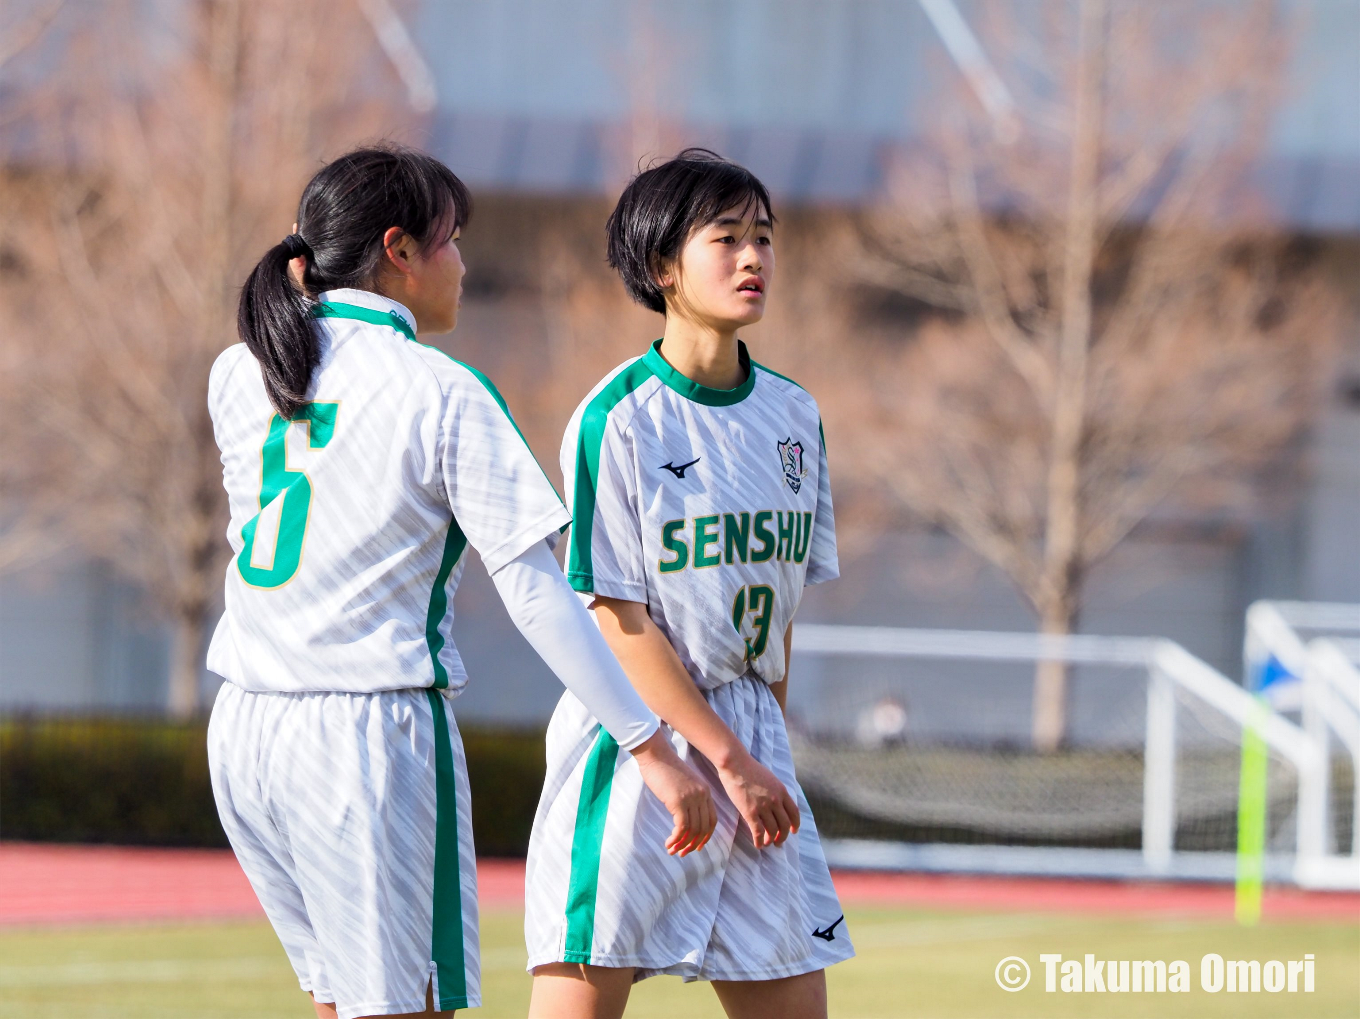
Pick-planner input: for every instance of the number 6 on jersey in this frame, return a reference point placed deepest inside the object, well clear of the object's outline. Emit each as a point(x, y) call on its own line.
point(756, 601)
point(285, 501)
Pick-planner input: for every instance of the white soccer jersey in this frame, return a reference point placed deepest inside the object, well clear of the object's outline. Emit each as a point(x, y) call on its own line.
point(350, 522)
point(712, 507)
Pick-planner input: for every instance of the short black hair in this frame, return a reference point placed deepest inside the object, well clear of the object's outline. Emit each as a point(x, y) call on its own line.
point(661, 206)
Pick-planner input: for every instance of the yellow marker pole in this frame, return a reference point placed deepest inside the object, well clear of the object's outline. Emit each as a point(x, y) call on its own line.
point(1251, 817)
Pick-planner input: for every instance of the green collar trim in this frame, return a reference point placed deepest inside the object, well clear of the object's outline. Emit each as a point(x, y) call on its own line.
point(391, 319)
point(690, 389)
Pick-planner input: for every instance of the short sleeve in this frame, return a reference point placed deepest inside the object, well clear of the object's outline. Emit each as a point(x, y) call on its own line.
point(499, 495)
point(222, 368)
point(823, 565)
point(604, 554)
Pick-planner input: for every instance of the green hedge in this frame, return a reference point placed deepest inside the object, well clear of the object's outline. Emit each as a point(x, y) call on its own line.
point(145, 782)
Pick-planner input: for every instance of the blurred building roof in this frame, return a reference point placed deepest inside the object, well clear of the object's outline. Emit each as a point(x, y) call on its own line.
point(555, 155)
point(551, 154)
point(541, 95)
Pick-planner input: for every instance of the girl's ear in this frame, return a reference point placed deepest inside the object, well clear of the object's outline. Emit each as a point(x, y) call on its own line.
point(398, 249)
point(663, 273)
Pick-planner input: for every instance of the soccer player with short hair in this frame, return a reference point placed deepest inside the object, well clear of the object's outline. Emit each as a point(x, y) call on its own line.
point(359, 466)
point(698, 485)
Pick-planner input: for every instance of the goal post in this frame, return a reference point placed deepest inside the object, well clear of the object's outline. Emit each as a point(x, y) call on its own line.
point(1302, 657)
point(1331, 707)
point(914, 785)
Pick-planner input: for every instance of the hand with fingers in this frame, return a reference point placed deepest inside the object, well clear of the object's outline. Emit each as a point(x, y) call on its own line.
point(681, 791)
point(762, 800)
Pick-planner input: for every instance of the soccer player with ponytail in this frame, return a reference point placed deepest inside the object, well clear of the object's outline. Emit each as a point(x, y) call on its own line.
point(359, 466)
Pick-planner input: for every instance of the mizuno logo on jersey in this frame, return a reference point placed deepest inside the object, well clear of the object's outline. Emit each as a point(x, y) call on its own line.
point(735, 537)
point(679, 471)
point(829, 933)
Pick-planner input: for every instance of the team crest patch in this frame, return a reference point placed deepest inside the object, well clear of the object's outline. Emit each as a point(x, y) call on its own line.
point(791, 459)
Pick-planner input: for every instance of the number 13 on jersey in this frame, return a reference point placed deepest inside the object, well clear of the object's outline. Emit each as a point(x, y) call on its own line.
point(285, 501)
point(757, 603)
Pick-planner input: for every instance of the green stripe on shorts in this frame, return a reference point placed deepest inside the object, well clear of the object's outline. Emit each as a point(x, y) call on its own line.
point(446, 942)
point(585, 848)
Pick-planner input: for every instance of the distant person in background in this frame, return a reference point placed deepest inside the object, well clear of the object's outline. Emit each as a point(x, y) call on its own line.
point(883, 725)
point(359, 466)
point(702, 506)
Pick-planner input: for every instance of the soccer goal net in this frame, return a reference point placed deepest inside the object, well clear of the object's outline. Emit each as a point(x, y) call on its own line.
point(913, 747)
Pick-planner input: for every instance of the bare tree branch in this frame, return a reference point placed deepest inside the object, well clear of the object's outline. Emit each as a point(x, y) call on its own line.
point(190, 162)
point(987, 286)
point(28, 31)
point(1144, 352)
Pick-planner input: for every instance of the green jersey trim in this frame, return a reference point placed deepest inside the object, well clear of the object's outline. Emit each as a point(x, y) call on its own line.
point(821, 432)
point(776, 374)
point(490, 387)
point(690, 389)
point(495, 393)
point(589, 439)
point(446, 936)
point(391, 319)
point(455, 543)
point(584, 885)
point(328, 309)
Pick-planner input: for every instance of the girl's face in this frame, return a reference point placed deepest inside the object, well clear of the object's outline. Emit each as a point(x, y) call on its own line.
point(429, 283)
point(722, 275)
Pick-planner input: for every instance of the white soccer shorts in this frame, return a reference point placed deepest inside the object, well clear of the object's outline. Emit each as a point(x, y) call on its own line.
point(602, 890)
point(351, 816)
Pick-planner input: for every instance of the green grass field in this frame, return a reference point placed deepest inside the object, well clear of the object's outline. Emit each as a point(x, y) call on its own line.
point(911, 963)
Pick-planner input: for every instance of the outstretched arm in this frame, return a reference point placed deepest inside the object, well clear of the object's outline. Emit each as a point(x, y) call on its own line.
point(557, 626)
point(655, 669)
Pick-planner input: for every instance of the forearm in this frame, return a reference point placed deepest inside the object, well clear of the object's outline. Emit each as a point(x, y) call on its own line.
point(555, 623)
point(781, 689)
point(658, 675)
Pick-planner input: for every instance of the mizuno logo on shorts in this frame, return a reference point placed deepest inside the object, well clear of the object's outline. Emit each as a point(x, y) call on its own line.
point(829, 934)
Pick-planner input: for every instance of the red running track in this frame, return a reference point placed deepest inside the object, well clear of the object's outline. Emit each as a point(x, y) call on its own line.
point(55, 884)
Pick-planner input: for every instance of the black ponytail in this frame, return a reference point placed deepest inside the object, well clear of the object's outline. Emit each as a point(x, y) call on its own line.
point(344, 213)
point(274, 319)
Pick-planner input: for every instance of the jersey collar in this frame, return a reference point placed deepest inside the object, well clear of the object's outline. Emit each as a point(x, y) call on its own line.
point(365, 306)
point(690, 389)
